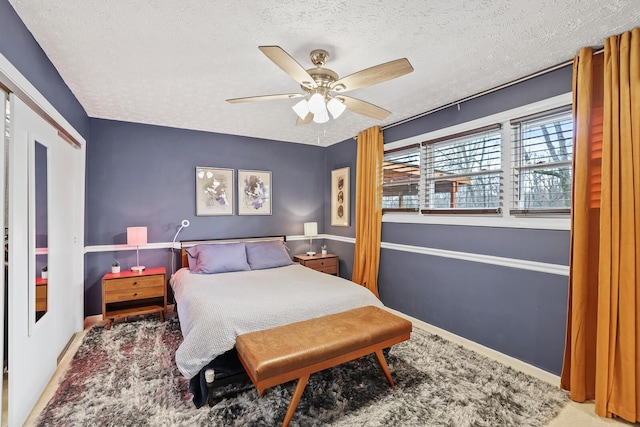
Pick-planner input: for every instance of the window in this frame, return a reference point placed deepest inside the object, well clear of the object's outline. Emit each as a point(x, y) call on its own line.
point(463, 172)
point(542, 161)
point(401, 179)
point(510, 169)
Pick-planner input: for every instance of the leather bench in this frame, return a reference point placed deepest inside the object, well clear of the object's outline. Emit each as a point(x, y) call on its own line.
point(295, 351)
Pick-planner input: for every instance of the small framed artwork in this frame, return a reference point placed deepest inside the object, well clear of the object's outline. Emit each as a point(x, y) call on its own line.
point(340, 197)
point(254, 192)
point(214, 191)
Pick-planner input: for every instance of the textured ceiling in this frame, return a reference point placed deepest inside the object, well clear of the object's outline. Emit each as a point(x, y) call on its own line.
point(173, 63)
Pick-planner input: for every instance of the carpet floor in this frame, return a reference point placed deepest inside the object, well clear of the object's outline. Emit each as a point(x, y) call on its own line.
point(127, 377)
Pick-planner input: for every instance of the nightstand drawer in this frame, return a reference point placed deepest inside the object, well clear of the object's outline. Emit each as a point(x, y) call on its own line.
point(322, 263)
point(329, 270)
point(328, 263)
point(130, 294)
point(133, 283)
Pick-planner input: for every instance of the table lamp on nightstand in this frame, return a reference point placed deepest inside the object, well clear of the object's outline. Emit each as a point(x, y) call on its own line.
point(310, 231)
point(137, 236)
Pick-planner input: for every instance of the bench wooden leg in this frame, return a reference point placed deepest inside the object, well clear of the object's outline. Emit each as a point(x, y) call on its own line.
point(385, 368)
point(297, 394)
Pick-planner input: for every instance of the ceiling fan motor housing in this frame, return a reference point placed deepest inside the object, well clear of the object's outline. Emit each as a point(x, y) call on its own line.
point(323, 77)
point(319, 57)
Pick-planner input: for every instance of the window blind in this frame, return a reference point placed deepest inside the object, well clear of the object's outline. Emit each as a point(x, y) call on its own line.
point(463, 172)
point(401, 179)
point(542, 157)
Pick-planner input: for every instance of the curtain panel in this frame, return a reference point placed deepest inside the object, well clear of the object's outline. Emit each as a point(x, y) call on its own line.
point(601, 358)
point(366, 259)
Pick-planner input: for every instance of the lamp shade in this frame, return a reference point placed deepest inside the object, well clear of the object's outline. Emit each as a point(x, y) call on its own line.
point(316, 104)
point(335, 107)
point(301, 109)
point(136, 236)
point(310, 229)
point(322, 117)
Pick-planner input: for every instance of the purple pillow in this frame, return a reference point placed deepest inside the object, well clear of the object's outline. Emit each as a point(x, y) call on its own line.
point(267, 254)
point(192, 257)
point(219, 258)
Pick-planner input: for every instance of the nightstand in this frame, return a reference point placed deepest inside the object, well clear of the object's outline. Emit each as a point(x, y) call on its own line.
point(41, 294)
point(328, 263)
point(131, 293)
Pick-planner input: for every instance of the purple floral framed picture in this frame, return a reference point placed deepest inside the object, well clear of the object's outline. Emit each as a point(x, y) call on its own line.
point(214, 191)
point(254, 192)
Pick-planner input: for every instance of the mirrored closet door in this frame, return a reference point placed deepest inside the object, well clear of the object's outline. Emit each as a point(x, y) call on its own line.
point(46, 186)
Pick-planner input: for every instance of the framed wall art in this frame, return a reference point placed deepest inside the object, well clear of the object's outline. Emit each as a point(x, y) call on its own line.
point(214, 191)
point(340, 197)
point(254, 192)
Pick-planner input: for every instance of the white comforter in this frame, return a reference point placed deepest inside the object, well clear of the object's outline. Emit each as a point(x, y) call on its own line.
point(215, 308)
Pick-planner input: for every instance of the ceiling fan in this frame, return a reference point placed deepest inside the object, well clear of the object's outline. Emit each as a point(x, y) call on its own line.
point(323, 88)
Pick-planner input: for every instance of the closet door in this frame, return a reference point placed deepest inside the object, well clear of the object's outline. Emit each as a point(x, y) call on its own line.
point(3, 284)
point(37, 333)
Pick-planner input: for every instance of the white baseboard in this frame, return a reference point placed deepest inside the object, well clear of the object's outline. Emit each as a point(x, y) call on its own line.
point(512, 362)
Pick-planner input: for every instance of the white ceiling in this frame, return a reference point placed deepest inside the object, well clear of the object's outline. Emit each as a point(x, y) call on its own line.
point(173, 63)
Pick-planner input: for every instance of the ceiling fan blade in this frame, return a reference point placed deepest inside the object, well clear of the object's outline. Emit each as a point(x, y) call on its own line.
point(364, 108)
point(305, 121)
point(265, 98)
point(374, 75)
point(289, 65)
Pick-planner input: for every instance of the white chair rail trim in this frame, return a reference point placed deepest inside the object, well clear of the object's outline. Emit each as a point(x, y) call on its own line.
point(542, 267)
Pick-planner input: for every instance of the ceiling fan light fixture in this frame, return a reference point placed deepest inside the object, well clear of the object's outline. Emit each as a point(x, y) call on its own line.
point(316, 104)
point(336, 107)
point(319, 83)
point(322, 117)
point(301, 109)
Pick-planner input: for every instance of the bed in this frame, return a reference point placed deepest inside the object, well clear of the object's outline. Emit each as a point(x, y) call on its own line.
point(228, 288)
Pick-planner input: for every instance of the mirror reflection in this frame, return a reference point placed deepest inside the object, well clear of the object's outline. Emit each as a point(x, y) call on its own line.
point(41, 229)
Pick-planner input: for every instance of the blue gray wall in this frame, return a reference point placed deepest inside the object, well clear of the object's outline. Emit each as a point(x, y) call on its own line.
point(142, 175)
point(515, 311)
point(518, 312)
point(339, 156)
point(20, 48)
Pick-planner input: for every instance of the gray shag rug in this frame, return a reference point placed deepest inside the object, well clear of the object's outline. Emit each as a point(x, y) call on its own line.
point(128, 377)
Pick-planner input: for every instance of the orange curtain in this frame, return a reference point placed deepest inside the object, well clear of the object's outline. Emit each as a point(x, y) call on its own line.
point(366, 259)
point(602, 354)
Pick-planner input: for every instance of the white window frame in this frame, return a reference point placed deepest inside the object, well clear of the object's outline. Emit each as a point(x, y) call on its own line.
point(504, 219)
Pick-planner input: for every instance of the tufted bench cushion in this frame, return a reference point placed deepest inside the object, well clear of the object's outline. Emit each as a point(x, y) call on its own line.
point(278, 355)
